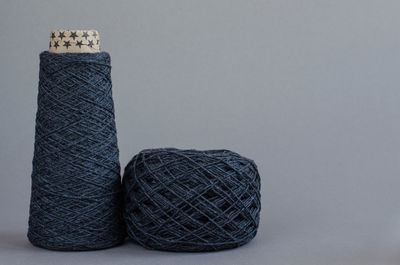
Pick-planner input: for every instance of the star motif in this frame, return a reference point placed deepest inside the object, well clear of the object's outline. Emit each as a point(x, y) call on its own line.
point(79, 43)
point(94, 34)
point(73, 35)
point(56, 44)
point(97, 42)
point(66, 44)
point(61, 35)
point(85, 35)
point(53, 35)
point(90, 43)
point(49, 44)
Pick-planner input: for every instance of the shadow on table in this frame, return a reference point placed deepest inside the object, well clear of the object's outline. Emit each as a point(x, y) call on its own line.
point(14, 241)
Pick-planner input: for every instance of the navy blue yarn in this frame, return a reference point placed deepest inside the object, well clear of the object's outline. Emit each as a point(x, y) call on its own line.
point(76, 195)
point(189, 200)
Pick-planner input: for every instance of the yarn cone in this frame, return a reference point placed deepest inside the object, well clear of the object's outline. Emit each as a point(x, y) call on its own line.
point(76, 184)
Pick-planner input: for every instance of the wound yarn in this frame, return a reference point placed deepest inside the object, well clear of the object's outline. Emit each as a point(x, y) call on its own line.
point(189, 200)
point(76, 186)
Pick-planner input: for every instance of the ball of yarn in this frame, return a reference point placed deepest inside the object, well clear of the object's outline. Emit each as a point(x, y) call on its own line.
point(189, 200)
point(76, 185)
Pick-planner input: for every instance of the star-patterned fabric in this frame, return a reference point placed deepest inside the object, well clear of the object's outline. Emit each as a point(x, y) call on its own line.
point(62, 41)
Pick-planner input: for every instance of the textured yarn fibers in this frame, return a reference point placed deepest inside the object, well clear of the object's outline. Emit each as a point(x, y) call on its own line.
point(188, 200)
point(76, 186)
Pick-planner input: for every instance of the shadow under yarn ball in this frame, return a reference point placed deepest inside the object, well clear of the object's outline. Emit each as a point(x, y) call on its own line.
point(189, 200)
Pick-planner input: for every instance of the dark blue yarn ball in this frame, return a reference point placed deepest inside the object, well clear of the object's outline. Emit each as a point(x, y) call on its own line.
point(189, 200)
point(76, 200)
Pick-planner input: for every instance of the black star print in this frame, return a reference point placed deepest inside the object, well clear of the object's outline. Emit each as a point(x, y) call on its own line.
point(56, 44)
point(66, 44)
point(61, 35)
point(53, 35)
point(90, 44)
point(97, 42)
point(94, 34)
point(79, 43)
point(73, 35)
point(85, 35)
point(49, 44)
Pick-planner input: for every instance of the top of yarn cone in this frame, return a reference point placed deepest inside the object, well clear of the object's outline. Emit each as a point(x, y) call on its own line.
point(76, 41)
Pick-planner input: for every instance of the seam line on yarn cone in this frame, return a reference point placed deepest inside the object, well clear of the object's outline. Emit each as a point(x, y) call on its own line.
point(76, 197)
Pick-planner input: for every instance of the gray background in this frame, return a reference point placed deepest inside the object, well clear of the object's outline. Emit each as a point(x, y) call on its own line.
point(308, 89)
